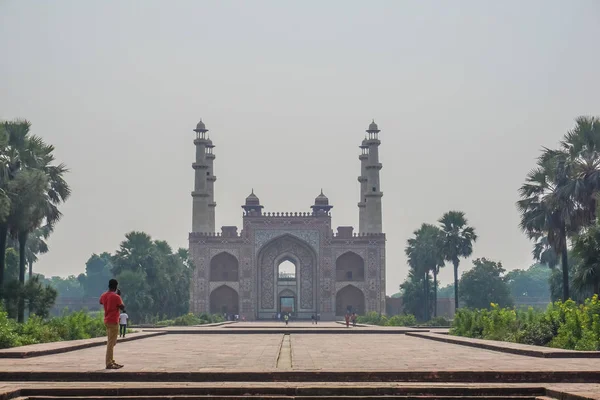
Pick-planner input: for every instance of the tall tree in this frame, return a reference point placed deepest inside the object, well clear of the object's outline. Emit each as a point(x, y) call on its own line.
point(532, 283)
point(580, 153)
point(485, 284)
point(36, 190)
point(587, 248)
point(560, 196)
point(425, 256)
point(98, 271)
point(412, 292)
point(545, 213)
point(154, 280)
point(36, 245)
point(14, 136)
point(458, 242)
point(26, 194)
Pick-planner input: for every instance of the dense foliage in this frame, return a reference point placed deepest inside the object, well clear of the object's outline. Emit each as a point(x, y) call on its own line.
point(374, 318)
point(563, 325)
point(191, 319)
point(559, 199)
point(32, 187)
point(427, 252)
point(153, 279)
point(425, 257)
point(484, 284)
point(412, 292)
point(78, 325)
point(529, 284)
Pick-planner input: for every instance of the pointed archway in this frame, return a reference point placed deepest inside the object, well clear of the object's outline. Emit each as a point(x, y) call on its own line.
point(349, 267)
point(224, 268)
point(298, 261)
point(224, 300)
point(349, 299)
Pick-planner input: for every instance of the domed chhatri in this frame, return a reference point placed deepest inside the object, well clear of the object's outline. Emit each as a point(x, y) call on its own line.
point(252, 199)
point(321, 199)
point(373, 127)
point(321, 204)
point(201, 127)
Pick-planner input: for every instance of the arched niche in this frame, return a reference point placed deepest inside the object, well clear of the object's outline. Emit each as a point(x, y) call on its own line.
point(349, 267)
point(224, 267)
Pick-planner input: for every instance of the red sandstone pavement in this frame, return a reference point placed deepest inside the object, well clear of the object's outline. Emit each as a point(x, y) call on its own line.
point(308, 351)
point(58, 347)
point(259, 352)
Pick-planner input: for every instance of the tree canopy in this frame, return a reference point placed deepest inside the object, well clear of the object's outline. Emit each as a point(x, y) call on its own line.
point(485, 284)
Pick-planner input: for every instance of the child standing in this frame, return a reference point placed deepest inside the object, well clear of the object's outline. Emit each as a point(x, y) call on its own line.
point(123, 318)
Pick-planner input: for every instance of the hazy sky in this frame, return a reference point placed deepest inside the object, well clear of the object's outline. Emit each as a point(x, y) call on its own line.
point(465, 92)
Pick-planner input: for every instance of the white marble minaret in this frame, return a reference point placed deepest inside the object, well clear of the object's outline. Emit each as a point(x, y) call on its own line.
point(370, 212)
point(203, 206)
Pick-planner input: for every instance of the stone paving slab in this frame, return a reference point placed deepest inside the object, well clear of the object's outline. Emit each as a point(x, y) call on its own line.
point(42, 349)
point(266, 327)
point(508, 347)
point(213, 325)
point(309, 352)
point(165, 353)
point(403, 352)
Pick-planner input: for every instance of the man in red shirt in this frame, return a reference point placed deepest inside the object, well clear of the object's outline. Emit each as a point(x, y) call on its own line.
point(112, 305)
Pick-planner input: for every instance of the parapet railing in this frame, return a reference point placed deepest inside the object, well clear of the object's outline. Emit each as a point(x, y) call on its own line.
point(287, 214)
point(215, 234)
point(356, 235)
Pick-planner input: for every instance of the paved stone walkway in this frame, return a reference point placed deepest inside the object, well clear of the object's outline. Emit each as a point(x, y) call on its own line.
point(259, 352)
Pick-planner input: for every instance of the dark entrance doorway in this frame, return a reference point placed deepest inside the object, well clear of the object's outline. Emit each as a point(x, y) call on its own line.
point(224, 300)
point(287, 305)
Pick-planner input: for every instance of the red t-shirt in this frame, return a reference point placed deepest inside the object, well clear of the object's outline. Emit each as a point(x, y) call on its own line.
point(111, 302)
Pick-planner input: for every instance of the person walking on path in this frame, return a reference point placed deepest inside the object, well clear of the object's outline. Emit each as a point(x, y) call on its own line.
point(347, 320)
point(123, 319)
point(286, 319)
point(112, 305)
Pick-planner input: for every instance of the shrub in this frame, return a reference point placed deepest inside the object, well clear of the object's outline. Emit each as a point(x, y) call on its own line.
point(438, 321)
point(191, 319)
point(402, 320)
point(78, 325)
point(562, 325)
point(372, 318)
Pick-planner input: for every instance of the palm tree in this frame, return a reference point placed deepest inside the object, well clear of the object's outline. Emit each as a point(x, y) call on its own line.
point(13, 143)
point(36, 190)
point(457, 242)
point(546, 212)
point(36, 244)
point(587, 248)
point(580, 150)
point(425, 256)
point(543, 252)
